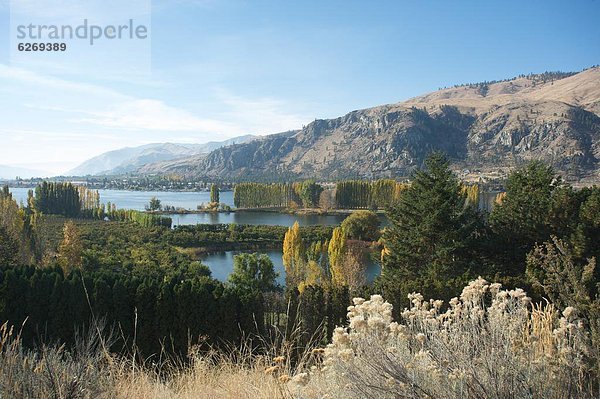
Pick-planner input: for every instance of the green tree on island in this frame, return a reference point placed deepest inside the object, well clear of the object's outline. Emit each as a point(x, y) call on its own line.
point(154, 205)
point(214, 194)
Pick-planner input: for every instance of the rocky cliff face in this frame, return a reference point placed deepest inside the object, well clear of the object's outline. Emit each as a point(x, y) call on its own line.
point(485, 127)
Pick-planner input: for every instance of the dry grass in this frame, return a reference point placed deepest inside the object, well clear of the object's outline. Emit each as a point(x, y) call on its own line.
point(52, 371)
point(88, 372)
point(203, 379)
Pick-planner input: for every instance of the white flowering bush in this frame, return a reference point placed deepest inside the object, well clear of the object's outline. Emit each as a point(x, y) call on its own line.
point(488, 343)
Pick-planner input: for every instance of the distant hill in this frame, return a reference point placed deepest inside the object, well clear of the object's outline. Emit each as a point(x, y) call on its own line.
point(130, 159)
point(10, 172)
point(486, 126)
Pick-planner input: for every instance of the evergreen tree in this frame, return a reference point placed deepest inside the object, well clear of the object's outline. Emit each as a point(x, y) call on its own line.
point(522, 217)
point(432, 237)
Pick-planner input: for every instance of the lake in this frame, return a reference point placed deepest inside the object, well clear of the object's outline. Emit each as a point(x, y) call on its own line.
point(190, 200)
point(137, 200)
point(221, 265)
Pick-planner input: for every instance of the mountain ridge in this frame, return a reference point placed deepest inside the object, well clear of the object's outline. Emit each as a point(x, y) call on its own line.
point(486, 126)
point(130, 159)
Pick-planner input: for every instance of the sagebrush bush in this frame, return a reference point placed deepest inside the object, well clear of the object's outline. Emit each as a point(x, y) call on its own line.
point(489, 343)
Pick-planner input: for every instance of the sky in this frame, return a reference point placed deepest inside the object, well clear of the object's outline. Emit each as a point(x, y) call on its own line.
point(215, 69)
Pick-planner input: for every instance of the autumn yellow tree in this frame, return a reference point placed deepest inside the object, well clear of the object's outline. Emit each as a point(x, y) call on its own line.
point(293, 256)
point(472, 193)
point(500, 198)
point(316, 267)
point(346, 260)
point(336, 250)
point(70, 249)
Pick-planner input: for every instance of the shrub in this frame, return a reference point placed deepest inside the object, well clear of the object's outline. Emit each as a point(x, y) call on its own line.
point(489, 343)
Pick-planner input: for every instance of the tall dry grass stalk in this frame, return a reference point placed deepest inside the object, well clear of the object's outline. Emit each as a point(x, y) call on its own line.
point(52, 371)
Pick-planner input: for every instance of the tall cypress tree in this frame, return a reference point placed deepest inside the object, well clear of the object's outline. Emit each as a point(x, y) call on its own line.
point(293, 256)
point(214, 193)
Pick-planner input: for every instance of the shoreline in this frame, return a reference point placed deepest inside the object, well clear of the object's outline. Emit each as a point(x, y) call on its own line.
point(149, 190)
point(282, 211)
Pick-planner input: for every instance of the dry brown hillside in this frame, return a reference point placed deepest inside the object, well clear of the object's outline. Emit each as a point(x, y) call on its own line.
point(485, 128)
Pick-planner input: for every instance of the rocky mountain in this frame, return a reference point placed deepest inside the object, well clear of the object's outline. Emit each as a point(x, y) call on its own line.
point(126, 160)
point(487, 127)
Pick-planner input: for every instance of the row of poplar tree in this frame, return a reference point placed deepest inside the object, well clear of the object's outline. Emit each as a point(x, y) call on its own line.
point(69, 200)
point(348, 194)
point(277, 195)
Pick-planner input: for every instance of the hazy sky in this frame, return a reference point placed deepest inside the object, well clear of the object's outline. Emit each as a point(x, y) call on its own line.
point(221, 68)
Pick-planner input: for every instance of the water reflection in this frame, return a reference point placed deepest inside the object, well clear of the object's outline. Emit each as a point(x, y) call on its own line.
point(221, 265)
point(257, 218)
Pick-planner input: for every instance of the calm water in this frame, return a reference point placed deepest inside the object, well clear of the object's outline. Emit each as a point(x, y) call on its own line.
point(221, 265)
point(250, 217)
point(138, 199)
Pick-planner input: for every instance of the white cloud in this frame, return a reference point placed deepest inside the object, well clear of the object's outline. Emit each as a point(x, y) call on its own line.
point(260, 116)
point(236, 115)
point(31, 135)
point(155, 115)
point(35, 79)
point(53, 120)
